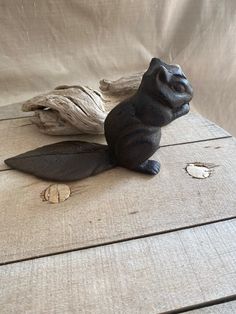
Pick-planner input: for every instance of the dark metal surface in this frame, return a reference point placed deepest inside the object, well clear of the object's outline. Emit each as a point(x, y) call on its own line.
point(133, 128)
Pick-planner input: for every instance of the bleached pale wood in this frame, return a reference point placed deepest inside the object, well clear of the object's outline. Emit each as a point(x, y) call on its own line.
point(70, 110)
point(224, 308)
point(117, 90)
point(20, 135)
point(150, 275)
point(117, 204)
point(127, 85)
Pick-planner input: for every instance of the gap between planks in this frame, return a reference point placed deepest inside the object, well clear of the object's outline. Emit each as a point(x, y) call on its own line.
point(165, 274)
point(123, 240)
point(116, 205)
point(13, 111)
point(204, 305)
point(197, 141)
point(168, 145)
point(189, 129)
point(17, 118)
point(224, 307)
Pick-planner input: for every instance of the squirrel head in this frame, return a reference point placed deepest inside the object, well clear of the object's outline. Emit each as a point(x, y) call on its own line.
point(167, 84)
point(169, 93)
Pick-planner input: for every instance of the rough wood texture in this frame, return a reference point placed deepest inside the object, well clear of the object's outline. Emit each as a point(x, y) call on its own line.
point(22, 136)
point(150, 275)
point(224, 308)
point(114, 91)
point(155, 274)
point(13, 111)
point(70, 110)
point(117, 204)
point(127, 85)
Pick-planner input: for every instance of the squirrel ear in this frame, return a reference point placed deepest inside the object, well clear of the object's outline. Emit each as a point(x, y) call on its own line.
point(153, 66)
point(155, 61)
point(163, 74)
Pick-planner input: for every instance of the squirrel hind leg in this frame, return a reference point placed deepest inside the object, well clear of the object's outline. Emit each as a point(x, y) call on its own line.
point(134, 155)
point(151, 167)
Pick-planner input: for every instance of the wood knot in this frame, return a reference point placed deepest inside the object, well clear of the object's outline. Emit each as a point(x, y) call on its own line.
point(56, 193)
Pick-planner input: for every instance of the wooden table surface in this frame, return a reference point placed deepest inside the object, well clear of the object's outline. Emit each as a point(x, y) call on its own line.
point(123, 242)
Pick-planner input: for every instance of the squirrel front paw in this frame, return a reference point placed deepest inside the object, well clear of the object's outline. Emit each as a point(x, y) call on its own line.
point(183, 110)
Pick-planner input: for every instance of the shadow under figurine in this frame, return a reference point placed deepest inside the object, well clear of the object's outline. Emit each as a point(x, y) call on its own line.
point(132, 131)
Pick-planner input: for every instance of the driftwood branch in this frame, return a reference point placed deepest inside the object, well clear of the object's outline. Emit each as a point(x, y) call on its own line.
point(78, 109)
point(68, 110)
point(125, 86)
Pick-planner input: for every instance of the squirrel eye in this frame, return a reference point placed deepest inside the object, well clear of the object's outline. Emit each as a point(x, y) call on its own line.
point(180, 88)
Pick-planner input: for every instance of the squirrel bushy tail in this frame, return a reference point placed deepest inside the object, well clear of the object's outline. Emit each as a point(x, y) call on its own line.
point(64, 161)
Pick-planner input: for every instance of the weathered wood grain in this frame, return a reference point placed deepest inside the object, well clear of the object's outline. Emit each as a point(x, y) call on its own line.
point(224, 308)
point(150, 275)
point(13, 111)
point(191, 128)
point(18, 136)
point(117, 204)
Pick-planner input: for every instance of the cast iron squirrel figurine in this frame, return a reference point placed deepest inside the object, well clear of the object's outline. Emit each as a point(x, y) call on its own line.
point(132, 131)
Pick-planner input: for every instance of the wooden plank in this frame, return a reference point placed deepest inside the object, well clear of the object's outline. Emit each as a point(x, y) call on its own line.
point(18, 136)
point(13, 111)
point(117, 204)
point(191, 128)
point(224, 308)
point(198, 127)
point(150, 275)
